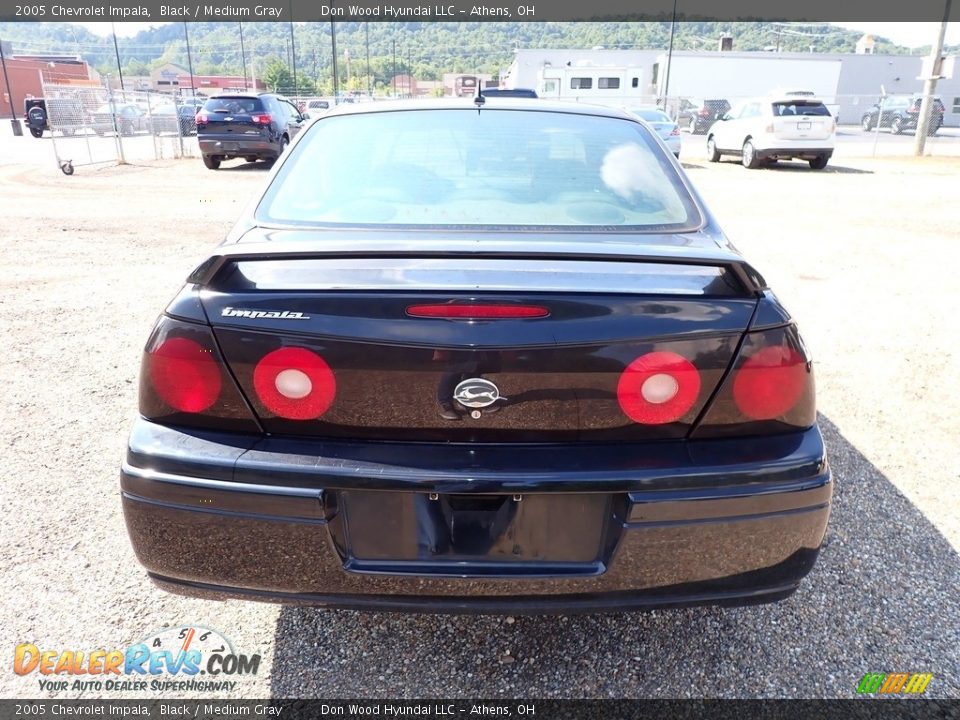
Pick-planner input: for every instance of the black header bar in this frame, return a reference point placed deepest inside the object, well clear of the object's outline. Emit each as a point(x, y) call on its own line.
point(461, 11)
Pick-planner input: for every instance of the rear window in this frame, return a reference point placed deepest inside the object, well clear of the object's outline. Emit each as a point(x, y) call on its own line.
point(799, 107)
point(236, 105)
point(464, 167)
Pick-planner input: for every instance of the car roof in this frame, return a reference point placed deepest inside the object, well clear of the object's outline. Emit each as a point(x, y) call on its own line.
point(491, 103)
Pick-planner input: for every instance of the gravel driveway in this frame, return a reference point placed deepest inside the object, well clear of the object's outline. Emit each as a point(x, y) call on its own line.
point(865, 255)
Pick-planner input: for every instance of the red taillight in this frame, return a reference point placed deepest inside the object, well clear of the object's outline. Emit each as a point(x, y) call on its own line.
point(913, 109)
point(703, 112)
point(295, 383)
point(263, 119)
point(202, 119)
point(185, 375)
point(659, 387)
point(770, 382)
point(477, 312)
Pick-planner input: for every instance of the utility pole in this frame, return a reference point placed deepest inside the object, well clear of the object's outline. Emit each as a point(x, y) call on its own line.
point(930, 85)
point(243, 56)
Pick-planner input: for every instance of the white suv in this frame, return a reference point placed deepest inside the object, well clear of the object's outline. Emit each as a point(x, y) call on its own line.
point(775, 128)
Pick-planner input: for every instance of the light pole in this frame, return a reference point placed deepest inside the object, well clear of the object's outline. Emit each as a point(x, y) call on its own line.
point(186, 35)
point(14, 120)
point(333, 47)
point(116, 49)
point(666, 79)
point(346, 56)
point(366, 28)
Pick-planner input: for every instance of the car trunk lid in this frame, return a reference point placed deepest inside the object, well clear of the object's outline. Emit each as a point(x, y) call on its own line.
point(403, 374)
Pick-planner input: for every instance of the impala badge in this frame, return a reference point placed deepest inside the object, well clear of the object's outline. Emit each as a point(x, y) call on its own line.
point(476, 393)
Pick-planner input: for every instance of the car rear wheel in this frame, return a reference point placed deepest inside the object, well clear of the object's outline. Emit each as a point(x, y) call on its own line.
point(36, 132)
point(867, 123)
point(713, 155)
point(932, 129)
point(212, 162)
point(251, 158)
point(819, 162)
point(692, 126)
point(284, 141)
point(897, 126)
point(749, 159)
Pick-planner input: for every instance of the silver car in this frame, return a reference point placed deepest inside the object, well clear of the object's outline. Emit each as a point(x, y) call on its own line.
point(667, 129)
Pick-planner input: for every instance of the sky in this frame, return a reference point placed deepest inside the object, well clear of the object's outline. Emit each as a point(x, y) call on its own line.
point(910, 34)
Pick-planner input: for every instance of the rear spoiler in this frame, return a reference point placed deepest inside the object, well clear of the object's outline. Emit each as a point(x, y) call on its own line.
point(390, 249)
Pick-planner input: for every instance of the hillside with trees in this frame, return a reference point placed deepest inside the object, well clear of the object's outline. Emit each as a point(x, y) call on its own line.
point(424, 49)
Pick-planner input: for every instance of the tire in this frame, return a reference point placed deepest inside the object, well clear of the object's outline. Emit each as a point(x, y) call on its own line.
point(749, 157)
point(212, 162)
point(932, 130)
point(36, 132)
point(896, 127)
point(284, 141)
point(819, 162)
point(251, 158)
point(692, 127)
point(713, 155)
point(866, 123)
point(126, 129)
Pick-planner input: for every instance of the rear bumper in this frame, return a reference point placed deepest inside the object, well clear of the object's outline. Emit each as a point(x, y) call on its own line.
point(718, 522)
point(232, 147)
point(807, 153)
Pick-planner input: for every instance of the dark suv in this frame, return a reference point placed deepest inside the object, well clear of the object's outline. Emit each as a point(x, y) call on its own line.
point(698, 115)
point(901, 112)
point(67, 115)
point(254, 127)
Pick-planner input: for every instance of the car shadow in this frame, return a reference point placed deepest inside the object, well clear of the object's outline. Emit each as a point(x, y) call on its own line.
point(791, 166)
point(247, 166)
point(882, 598)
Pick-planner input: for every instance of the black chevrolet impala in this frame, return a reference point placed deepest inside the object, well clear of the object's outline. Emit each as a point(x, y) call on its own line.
point(477, 356)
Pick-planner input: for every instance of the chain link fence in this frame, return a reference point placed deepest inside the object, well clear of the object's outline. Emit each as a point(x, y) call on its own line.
point(101, 125)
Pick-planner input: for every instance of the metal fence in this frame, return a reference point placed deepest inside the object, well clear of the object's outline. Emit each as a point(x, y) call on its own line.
point(99, 125)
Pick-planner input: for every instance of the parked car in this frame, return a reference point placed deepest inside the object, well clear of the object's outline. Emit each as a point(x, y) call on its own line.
point(901, 113)
point(125, 118)
point(667, 129)
point(765, 130)
point(67, 115)
point(254, 127)
point(171, 118)
point(543, 382)
point(509, 92)
point(697, 116)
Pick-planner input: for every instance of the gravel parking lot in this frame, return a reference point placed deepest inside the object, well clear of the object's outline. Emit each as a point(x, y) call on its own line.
point(864, 253)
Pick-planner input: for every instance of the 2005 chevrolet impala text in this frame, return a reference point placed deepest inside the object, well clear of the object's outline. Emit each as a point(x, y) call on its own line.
point(488, 356)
